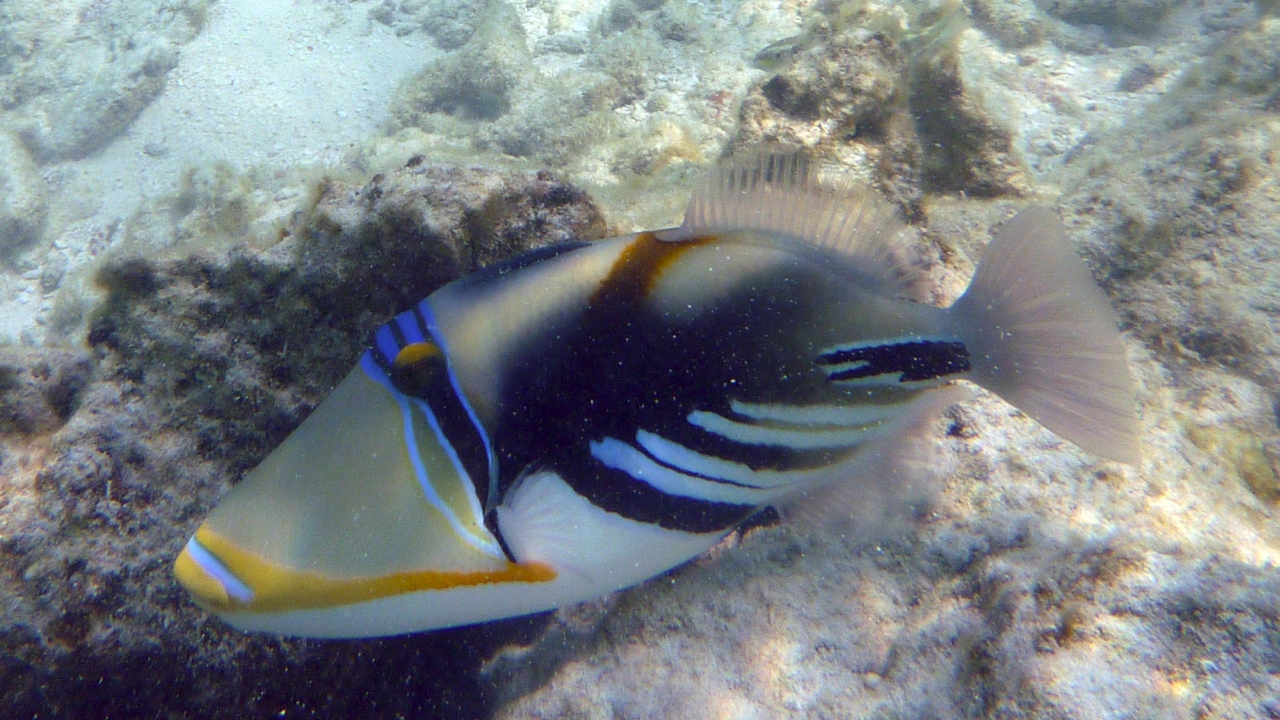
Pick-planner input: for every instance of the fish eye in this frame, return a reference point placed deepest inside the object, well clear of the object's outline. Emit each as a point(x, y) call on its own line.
point(416, 366)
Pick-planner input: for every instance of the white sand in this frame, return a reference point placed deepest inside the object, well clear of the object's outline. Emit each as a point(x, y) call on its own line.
point(266, 84)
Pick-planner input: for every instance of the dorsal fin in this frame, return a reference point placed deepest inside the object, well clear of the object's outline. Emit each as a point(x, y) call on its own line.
point(783, 194)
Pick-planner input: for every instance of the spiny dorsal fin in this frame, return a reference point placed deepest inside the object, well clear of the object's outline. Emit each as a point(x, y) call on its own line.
point(785, 194)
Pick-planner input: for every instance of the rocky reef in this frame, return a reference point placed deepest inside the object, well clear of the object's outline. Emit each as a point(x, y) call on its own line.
point(195, 367)
point(1039, 581)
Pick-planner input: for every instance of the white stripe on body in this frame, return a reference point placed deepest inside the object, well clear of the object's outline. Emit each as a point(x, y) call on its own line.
point(677, 455)
point(616, 454)
point(840, 415)
point(796, 437)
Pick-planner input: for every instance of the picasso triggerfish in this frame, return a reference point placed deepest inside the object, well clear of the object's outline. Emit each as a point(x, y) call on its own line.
point(589, 415)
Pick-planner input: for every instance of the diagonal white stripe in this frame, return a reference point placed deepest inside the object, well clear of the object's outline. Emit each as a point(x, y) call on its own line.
point(463, 478)
point(798, 439)
point(618, 455)
point(842, 415)
point(679, 456)
point(485, 543)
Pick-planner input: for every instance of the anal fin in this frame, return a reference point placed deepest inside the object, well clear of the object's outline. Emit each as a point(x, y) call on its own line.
point(876, 491)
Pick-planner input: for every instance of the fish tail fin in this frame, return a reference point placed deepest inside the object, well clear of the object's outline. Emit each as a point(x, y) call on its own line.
point(1042, 335)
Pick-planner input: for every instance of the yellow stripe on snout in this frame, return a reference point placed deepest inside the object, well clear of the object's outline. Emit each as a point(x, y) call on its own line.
point(277, 588)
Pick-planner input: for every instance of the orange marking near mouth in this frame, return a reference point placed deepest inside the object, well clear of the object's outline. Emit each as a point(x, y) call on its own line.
point(277, 588)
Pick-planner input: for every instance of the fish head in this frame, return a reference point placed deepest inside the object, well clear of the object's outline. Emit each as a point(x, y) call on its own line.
point(365, 504)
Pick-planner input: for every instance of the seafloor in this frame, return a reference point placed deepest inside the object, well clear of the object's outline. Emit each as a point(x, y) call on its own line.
point(205, 207)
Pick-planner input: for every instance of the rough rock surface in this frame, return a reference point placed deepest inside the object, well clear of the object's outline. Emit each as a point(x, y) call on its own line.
point(1188, 206)
point(1133, 16)
point(1041, 582)
point(69, 80)
point(91, 116)
point(964, 149)
point(612, 93)
point(22, 196)
point(892, 107)
point(198, 366)
point(845, 98)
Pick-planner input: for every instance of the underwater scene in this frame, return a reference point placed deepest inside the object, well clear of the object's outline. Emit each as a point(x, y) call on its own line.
point(927, 365)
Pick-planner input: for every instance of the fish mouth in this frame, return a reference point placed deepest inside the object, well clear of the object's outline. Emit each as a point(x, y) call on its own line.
point(211, 583)
point(224, 577)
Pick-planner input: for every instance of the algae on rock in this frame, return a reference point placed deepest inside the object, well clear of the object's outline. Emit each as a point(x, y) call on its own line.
point(23, 205)
point(893, 105)
point(1133, 16)
point(198, 366)
point(74, 84)
point(964, 149)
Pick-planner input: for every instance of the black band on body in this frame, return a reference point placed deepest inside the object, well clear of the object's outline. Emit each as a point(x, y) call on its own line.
point(618, 492)
point(914, 360)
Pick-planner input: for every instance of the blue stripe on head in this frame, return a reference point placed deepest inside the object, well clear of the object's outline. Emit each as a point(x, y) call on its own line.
point(375, 372)
point(409, 328)
point(385, 341)
point(232, 585)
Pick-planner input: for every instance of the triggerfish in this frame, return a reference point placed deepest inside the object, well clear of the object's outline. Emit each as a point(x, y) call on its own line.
point(589, 415)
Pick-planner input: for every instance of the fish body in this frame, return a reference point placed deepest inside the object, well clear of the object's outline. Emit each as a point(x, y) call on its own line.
point(586, 416)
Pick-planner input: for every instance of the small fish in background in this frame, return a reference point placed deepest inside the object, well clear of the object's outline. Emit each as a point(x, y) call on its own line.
point(587, 416)
point(776, 55)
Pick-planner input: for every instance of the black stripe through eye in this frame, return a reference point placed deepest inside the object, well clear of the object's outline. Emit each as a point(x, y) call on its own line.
point(428, 380)
point(419, 318)
point(914, 361)
point(397, 333)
